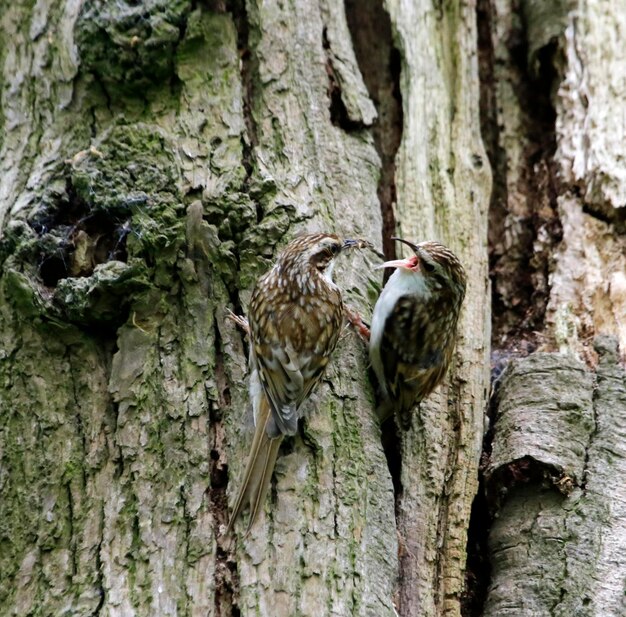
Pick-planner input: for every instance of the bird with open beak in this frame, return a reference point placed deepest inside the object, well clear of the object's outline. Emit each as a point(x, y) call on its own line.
point(414, 327)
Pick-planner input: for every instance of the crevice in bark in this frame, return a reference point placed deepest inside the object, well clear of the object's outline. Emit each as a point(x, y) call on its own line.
point(380, 64)
point(608, 215)
point(489, 111)
point(108, 102)
point(70, 530)
point(478, 567)
point(80, 429)
point(338, 113)
point(524, 228)
point(523, 221)
point(135, 542)
point(525, 470)
point(249, 75)
point(248, 70)
point(390, 438)
point(118, 457)
point(99, 565)
point(226, 575)
point(74, 238)
point(186, 523)
point(600, 348)
point(53, 268)
point(592, 438)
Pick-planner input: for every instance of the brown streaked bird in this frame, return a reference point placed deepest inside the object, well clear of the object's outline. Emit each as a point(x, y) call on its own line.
point(414, 325)
point(295, 318)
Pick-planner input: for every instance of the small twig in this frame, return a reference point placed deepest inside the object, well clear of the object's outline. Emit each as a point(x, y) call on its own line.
point(134, 322)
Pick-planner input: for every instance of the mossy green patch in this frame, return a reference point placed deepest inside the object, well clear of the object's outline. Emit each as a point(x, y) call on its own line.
point(99, 298)
point(19, 289)
point(131, 45)
point(117, 230)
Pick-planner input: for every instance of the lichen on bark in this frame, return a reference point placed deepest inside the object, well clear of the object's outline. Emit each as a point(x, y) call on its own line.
point(554, 213)
point(139, 207)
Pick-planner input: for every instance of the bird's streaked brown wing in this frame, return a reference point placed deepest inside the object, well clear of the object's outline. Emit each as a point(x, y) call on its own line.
point(408, 349)
point(292, 350)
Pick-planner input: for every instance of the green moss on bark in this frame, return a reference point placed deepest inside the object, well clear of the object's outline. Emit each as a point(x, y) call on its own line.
point(131, 45)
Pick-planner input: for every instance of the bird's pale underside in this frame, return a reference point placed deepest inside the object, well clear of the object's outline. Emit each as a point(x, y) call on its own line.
point(414, 327)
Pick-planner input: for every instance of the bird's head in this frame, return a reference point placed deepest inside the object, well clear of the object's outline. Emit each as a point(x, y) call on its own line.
point(435, 263)
point(314, 253)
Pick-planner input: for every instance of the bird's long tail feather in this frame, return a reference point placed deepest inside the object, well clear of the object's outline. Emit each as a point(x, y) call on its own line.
point(259, 469)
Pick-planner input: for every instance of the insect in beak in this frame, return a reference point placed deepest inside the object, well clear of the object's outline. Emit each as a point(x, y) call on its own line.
point(357, 243)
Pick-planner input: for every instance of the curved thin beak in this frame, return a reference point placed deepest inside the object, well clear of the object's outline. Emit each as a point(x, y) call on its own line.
point(413, 246)
point(408, 264)
point(397, 263)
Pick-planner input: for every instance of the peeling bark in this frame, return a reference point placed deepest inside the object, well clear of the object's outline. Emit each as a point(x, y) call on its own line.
point(156, 157)
point(557, 262)
point(559, 532)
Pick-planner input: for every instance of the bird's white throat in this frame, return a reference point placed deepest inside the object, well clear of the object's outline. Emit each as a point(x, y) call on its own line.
point(401, 283)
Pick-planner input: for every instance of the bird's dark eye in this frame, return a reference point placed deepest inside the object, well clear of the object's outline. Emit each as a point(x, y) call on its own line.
point(322, 260)
point(324, 255)
point(428, 266)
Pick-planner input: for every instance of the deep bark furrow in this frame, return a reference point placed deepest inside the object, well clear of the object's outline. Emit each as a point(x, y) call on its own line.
point(442, 183)
point(226, 575)
point(157, 156)
point(379, 62)
point(518, 123)
point(544, 75)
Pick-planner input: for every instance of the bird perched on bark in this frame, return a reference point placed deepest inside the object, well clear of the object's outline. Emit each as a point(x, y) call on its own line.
point(414, 324)
point(295, 318)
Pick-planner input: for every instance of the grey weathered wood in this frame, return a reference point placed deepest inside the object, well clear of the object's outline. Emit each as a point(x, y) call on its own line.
point(558, 540)
point(590, 147)
point(545, 413)
point(557, 220)
point(443, 182)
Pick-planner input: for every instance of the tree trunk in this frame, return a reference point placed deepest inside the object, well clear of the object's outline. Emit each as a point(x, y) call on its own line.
point(157, 156)
point(552, 76)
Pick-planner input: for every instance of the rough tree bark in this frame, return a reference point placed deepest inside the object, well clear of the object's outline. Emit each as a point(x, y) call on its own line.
point(553, 96)
point(155, 157)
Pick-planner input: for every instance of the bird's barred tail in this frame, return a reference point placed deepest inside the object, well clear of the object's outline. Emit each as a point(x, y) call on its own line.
point(256, 478)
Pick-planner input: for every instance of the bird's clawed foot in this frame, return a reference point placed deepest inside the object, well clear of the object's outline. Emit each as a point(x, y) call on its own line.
point(239, 320)
point(354, 319)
